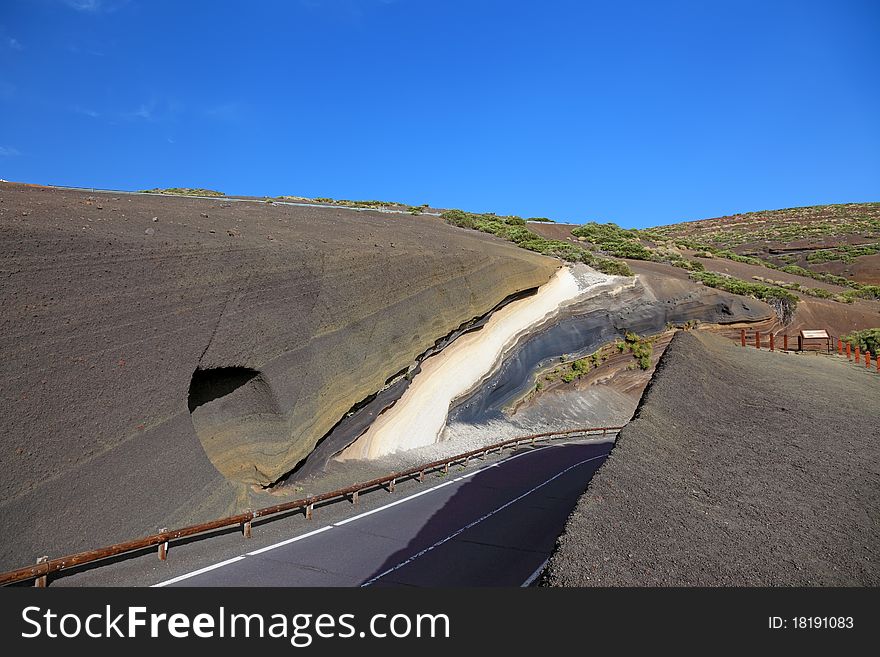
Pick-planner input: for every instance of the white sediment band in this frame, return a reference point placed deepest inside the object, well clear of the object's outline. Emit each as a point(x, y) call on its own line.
point(419, 416)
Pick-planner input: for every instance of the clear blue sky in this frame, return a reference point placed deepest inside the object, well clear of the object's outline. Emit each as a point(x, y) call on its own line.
point(637, 112)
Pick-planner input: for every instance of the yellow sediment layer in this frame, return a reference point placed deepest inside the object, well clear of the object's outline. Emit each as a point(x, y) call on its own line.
point(418, 418)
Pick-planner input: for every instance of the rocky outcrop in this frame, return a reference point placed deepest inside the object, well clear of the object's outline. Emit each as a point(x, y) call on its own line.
point(160, 353)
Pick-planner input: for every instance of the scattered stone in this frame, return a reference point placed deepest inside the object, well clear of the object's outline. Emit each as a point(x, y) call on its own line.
point(205, 215)
point(212, 231)
point(155, 219)
point(149, 231)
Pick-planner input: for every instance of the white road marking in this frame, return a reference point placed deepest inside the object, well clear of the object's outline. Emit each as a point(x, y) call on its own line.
point(197, 572)
point(387, 506)
point(288, 541)
point(422, 553)
point(432, 489)
point(535, 574)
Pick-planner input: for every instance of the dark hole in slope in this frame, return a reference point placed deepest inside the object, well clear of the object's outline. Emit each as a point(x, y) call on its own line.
point(208, 385)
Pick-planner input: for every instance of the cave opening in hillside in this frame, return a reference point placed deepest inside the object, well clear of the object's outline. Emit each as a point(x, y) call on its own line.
point(208, 385)
point(237, 419)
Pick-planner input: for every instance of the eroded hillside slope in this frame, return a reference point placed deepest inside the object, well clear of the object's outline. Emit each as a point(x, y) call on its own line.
point(740, 468)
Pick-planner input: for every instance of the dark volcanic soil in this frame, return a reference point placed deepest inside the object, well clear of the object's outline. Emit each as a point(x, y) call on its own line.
point(740, 468)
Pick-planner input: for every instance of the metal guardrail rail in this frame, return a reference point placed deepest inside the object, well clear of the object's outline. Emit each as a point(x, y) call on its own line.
point(46, 566)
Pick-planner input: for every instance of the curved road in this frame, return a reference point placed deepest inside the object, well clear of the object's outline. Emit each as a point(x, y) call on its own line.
point(495, 526)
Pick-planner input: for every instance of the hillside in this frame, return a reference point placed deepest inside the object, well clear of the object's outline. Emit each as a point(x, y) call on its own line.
point(819, 267)
point(733, 473)
point(161, 354)
point(842, 240)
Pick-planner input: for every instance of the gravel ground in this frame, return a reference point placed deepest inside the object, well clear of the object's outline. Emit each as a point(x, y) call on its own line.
point(741, 468)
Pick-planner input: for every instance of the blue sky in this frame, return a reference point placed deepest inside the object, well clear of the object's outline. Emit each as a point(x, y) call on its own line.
point(642, 113)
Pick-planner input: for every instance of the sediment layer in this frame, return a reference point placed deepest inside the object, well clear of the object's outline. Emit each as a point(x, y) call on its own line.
point(420, 415)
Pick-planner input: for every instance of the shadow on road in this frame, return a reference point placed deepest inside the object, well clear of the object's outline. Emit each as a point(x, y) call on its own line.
point(498, 526)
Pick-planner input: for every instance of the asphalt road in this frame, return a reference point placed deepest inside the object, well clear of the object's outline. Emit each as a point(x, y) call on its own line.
point(495, 526)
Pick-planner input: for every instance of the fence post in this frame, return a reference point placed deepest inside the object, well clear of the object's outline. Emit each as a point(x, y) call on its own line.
point(742, 337)
point(785, 342)
point(771, 342)
point(757, 339)
point(42, 581)
point(163, 546)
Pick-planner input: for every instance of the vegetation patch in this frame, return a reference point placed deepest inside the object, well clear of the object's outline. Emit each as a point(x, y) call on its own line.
point(642, 349)
point(513, 229)
point(620, 242)
point(783, 302)
point(866, 340)
point(183, 191)
point(845, 253)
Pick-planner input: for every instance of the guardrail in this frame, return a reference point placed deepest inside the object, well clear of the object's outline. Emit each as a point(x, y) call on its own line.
point(45, 566)
point(776, 342)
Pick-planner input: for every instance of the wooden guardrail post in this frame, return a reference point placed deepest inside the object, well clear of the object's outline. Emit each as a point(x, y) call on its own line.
point(742, 337)
point(878, 363)
point(391, 485)
point(163, 546)
point(310, 508)
point(246, 526)
point(354, 497)
point(757, 339)
point(839, 347)
point(42, 581)
point(858, 356)
point(785, 342)
point(771, 342)
point(848, 352)
point(868, 359)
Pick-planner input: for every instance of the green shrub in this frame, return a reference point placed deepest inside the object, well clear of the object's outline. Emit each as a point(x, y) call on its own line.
point(818, 292)
point(784, 302)
point(869, 292)
point(867, 340)
point(183, 191)
point(513, 229)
